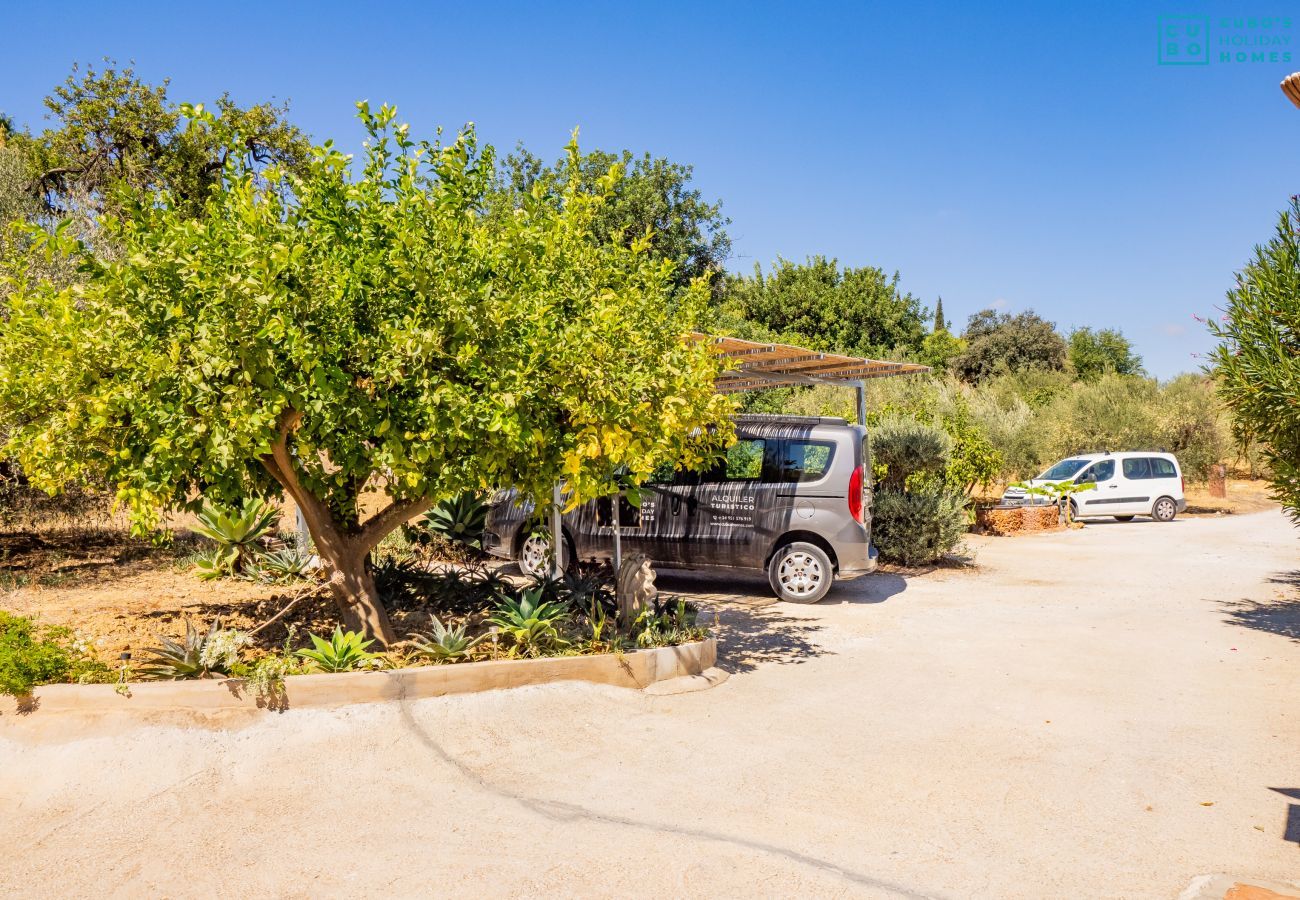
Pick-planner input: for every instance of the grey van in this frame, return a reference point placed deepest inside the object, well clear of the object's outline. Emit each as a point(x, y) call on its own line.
point(792, 497)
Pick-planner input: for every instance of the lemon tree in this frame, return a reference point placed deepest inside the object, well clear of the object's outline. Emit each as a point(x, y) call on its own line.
point(363, 336)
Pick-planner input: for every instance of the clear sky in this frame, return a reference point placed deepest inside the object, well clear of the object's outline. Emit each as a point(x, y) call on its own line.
point(1032, 156)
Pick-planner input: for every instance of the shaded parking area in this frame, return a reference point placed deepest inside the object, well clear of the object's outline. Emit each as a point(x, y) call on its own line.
point(1101, 713)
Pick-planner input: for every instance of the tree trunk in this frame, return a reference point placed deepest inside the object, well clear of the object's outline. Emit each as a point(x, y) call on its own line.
point(345, 553)
point(360, 606)
point(353, 588)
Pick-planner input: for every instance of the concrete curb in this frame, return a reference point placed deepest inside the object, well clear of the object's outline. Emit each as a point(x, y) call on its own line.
point(638, 669)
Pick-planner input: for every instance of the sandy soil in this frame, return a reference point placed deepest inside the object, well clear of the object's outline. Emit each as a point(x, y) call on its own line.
point(1097, 713)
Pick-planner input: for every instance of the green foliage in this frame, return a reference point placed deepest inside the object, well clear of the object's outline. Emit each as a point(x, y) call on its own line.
point(236, 531)
point(197, 655)
point(1257, 362)
point(999, 342)
point(282, 565)
point(653, 201)
point(343, 652)
point(460, 519)
point(939, 349)
point(531, 621)
point(940, 323)
point(112, 133)
point(1094, 353)
point(902, 448)
point(340, 306)
point(444, 645)
point(917, 516)
point(28, 658)
point(919, 525)
point(669, 622)
point(819, 305)
point(340, 326)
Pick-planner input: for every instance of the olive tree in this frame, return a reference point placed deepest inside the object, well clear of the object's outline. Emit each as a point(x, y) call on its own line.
point(353, 337)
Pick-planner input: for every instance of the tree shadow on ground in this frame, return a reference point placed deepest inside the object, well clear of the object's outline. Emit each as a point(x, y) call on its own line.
point(1281, 616)
point(754, 628)
point(749, 637)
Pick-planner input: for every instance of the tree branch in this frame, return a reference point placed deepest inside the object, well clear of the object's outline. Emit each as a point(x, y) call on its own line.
point(386, 520)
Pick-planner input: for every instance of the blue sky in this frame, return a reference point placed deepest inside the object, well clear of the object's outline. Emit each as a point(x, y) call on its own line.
point(1033, 156)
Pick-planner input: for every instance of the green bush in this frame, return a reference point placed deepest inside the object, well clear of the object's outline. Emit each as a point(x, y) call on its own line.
point(918, 526)
point(902, 447)
point(26, 658)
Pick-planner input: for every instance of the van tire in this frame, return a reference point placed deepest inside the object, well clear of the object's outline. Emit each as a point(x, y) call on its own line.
point(1164, 509)
point(1123, 518)
point(800, 572)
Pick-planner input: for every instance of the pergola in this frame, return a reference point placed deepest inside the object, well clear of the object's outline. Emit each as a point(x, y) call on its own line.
point(758, 365)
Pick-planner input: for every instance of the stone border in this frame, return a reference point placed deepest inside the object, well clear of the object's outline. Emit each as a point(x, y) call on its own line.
point(638, 669)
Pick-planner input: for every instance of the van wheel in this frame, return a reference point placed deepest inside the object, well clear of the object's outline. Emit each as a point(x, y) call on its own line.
point(535, 554)
point(800, 573)
point(1123, 518)
point(1164, 510)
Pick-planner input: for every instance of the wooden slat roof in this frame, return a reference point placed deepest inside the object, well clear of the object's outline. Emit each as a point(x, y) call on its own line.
point(759, 365)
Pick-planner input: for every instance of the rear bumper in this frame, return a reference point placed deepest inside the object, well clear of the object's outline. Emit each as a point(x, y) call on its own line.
point(862, 559)
point(1182, 504)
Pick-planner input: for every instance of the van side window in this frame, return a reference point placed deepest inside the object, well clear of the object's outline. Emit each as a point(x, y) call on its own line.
point(1137, 468)
point(1103, 470)
point(805, 460)
point(743, 462)
point(1162, 468)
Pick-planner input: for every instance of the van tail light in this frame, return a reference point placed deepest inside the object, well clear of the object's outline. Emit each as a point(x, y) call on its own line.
point(1182, 483)
point(855, 494)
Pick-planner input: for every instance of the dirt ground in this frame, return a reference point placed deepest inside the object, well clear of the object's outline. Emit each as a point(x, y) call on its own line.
point(1106, 712)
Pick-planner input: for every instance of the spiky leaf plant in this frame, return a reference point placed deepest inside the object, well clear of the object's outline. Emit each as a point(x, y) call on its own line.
point(237, 530)
point(199, 655)
point(459, 519)
point(444, 645)
point(343, 652)
point(531, 621)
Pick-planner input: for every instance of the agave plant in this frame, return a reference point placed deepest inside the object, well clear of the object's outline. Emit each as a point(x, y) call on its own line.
point(459, 519)
point(237, 530)
point(283, 565)
point(443, 644)
point(343, 652)
point(531, 621)
point(199, 655)
point(216, 563)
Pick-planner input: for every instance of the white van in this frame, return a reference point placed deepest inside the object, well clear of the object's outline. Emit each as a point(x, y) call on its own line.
point(1128, 485)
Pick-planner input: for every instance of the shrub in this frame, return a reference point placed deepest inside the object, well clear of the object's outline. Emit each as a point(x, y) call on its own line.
point(26, 658)
point(918, 526)
point(902, 447)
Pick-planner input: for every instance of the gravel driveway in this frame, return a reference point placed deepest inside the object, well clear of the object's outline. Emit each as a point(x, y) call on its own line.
point(1101, 713)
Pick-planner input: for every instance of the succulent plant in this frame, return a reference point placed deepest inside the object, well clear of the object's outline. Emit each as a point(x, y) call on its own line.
point(343, 652)
point(199, 655)
point(531, 621)
point(459, 519)
point(442, 644)
point(236, 532)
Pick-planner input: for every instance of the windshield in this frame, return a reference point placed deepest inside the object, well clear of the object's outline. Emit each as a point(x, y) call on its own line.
point(1066, 468)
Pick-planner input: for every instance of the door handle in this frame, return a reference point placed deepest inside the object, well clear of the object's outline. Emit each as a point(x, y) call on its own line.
point(677, 504)
point(1112, 486)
